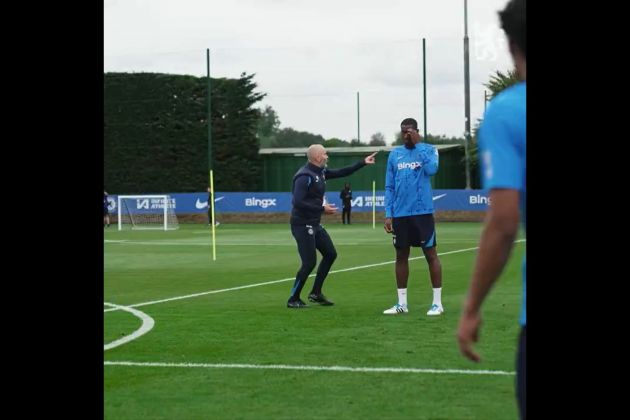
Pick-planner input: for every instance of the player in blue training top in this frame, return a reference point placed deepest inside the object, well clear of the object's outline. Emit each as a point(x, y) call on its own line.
point(502, 139)
point(409, 212)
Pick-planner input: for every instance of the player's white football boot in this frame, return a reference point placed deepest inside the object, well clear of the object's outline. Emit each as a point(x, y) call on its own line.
point(435, 310)
point(396, 309)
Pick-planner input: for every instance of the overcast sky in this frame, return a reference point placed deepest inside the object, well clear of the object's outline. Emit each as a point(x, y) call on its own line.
point(312, 57)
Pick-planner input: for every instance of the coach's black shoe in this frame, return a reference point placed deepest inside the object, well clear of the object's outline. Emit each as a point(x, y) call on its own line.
point(321, 299)
point(296, 304)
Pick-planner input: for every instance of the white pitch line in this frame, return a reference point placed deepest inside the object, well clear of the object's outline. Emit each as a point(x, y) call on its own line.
point(206, 244)
point(283, 244)
point(147, 325)
point(314, 368)
point(211, 292)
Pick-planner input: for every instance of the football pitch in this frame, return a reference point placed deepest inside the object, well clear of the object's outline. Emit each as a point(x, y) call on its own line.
point(187, 337)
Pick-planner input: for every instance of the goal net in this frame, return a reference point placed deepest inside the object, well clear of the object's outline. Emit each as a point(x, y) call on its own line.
point(146, 212)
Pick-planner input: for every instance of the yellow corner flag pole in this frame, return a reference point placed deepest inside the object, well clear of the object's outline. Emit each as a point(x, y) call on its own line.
point(214, 243)
point(373, 204)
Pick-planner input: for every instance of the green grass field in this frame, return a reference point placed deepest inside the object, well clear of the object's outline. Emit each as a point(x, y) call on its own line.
point(218, 354)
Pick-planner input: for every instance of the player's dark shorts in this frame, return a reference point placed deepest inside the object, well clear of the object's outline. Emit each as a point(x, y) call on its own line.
point(418, 230)
point(520, 372)
point(105, 211)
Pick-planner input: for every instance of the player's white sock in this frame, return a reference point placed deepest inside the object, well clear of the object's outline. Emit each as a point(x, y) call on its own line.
point(437, 296)
point(402, 296)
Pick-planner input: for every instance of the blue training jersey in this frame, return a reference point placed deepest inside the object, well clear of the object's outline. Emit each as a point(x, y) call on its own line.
point(408, 180)
point(502, 140)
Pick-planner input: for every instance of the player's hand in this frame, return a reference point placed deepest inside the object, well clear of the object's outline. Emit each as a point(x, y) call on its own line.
point(413, 134)
point(370, 160)
point(388, 225)
point(468, 333)
point(330, 209)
